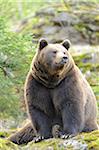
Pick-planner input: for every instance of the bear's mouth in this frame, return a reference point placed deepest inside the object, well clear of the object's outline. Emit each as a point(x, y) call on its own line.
point(60, 65)
point(62, 62)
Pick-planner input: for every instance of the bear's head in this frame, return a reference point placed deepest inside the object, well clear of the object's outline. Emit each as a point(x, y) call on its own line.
point(52, 62)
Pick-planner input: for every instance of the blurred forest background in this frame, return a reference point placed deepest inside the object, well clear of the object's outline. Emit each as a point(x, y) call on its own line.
point(22, 23)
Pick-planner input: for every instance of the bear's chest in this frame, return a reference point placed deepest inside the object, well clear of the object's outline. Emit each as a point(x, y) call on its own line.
point(59, 96)
point(49, 100)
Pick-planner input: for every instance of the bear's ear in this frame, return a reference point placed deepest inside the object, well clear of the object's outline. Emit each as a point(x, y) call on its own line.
point(66, 43)
point(42, 43)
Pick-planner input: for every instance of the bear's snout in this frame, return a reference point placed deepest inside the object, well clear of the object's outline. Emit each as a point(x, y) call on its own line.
point(64, 59)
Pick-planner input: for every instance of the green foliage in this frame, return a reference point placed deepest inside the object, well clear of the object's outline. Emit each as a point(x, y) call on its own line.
point(14, 64)
point(16, 52)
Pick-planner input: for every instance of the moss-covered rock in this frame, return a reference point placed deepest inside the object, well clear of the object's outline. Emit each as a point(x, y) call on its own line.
point(92, 140)
point(83, 141)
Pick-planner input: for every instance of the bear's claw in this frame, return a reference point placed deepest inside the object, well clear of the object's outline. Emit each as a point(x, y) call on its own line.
point(38, 139)
point(66, 136)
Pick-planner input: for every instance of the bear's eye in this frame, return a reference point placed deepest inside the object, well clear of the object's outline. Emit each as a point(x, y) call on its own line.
point(63, 52)
point(54, 52)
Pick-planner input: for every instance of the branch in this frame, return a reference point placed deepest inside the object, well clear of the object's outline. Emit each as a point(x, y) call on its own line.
point(4, 71)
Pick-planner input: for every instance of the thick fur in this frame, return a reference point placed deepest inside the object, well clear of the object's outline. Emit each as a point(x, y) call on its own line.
point(56, 95)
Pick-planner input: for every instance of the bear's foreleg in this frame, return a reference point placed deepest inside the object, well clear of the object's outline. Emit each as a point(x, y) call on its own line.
point(41, 124)
point(73, 119)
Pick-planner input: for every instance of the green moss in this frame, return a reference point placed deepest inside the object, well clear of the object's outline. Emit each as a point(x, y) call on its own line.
point(54, 143)
point(84, 140)
point(4, 134)
point(92, 140)
point(97, 18)
point(87, 140)
point(97, 34)
point(6, 145)
point(81, 27)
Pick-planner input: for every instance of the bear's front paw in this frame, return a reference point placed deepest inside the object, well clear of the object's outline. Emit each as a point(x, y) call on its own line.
point(38, 139)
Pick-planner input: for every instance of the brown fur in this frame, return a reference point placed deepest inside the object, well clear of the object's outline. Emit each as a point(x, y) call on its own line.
point(56, 93)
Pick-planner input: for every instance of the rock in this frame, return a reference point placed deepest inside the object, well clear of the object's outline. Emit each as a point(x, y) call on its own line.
point(49, 30)
point(93, 28)
point(49, 11)
point(75, 144)
point(89, 17)
point(65, 19)
point(6, 124)
point(66, 32)
point(77, 23)
point(83, 141)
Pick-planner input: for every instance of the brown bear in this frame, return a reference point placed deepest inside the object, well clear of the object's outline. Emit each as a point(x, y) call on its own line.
point(56, 93)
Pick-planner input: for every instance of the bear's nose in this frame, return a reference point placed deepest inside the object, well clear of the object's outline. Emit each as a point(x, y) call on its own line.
point(65, 57)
